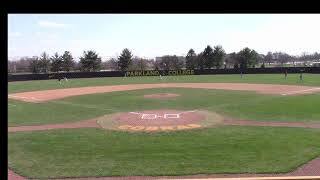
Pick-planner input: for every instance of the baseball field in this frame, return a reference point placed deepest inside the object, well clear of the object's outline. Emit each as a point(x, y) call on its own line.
point(174, 127)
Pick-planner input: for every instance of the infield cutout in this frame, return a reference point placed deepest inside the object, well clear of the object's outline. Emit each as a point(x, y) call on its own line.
point(159, 120)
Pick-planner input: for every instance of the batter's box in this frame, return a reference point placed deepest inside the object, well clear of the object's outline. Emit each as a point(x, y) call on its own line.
point(149, 116)
point(171, 116)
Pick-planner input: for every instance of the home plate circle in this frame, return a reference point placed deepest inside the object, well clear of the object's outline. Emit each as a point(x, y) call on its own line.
point(159, 120)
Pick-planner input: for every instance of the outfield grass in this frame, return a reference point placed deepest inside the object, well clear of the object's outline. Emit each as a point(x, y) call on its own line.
point(97, 152)
point(293, 79)
point(235, 104)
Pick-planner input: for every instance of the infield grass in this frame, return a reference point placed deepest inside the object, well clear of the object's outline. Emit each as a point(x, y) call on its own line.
point(234, 104)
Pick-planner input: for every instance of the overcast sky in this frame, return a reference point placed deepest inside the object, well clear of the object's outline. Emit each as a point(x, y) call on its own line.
point(150, 35)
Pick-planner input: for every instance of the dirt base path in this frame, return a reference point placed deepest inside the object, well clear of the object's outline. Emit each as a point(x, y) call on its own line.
point(47, 95)
point(13, 176)
point(92, 123)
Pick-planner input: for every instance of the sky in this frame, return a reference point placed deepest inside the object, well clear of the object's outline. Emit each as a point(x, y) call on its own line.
point(151, 35)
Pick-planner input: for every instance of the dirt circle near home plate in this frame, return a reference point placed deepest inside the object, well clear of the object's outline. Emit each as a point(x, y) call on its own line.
point(161, 95)
point(159, 120)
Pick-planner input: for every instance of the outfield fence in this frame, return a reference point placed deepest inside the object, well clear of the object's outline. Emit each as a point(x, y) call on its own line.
point(274, 70)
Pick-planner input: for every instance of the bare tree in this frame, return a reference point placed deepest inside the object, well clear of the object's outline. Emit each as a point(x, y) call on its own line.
point(268, 58)
point(138, 63)
point(171, 62)
point(231, 60)
point(110, 64)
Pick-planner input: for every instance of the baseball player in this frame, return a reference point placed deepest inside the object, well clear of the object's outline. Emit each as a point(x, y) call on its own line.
point(285, 74)
point(59, 79)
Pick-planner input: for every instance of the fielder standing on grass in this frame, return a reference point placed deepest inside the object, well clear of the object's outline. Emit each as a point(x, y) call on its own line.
point(301, 75)
point(59, 79)
point(285, 74)
point(64, 79)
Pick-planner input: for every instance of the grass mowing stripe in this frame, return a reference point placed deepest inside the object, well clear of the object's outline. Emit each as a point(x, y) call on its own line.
point(249, 101)
point(84, 105)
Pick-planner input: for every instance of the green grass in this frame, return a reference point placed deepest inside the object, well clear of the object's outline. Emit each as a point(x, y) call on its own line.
point(293, 79)
point(235, 104)
point(225, 149)
point(23, 113)
point(96, 152)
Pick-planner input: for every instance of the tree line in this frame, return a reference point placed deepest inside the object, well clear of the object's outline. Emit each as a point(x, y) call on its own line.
point(209, 58)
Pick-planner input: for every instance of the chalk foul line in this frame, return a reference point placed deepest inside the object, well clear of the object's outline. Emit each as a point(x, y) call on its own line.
point(21, 97)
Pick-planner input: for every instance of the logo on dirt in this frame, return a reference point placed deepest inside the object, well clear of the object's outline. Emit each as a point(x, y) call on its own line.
point(159, 117)
point(159, 120)
point(156, 116)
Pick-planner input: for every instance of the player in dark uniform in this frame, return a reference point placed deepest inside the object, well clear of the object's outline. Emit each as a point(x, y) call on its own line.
point(285, 74)
point(59, 79)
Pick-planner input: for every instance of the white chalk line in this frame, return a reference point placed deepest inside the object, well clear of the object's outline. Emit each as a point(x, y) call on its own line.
point(295, 92)
point(136, 113)
point(21, 97)
point(167, 113)
point(187, 111)
point(12, 105)
point(16, 96)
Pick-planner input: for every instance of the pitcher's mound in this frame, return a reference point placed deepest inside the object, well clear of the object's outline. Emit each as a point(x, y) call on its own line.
point(159, 120)
point(161, 95)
